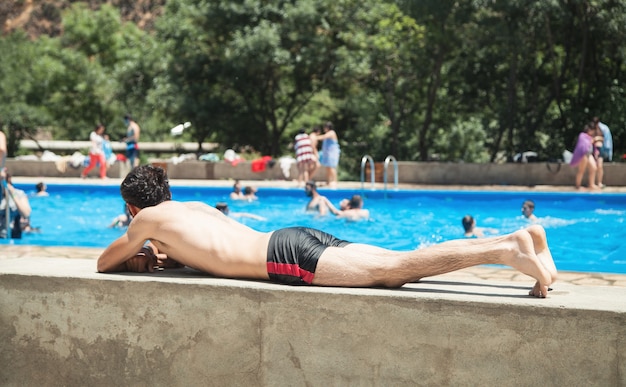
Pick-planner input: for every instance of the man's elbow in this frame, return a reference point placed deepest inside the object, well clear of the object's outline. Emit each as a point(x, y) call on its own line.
point(101, 268)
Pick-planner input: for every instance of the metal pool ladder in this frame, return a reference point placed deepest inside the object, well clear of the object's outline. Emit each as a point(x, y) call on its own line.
point(365, 159)
point(389, 159)
point(368, 159)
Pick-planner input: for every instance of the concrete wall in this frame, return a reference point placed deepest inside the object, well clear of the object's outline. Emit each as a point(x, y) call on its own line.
point(522, 174)
point(34, 168)
point(63, 324)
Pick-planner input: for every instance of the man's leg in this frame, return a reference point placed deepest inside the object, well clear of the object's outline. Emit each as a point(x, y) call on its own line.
point(362, 265)
point(540, 243)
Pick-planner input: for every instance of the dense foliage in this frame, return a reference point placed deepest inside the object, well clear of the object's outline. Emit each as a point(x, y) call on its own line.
point(472, 81)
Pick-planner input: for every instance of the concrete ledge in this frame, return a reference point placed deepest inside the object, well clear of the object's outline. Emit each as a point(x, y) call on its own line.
point(63, 324)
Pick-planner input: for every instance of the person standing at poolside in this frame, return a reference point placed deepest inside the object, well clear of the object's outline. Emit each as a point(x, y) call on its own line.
point(199, 236)
point(96, 153)
point(3, 154)
point(330, 153)
point(314, 137)
point(305, 158)
point(132, 140)
point(583, 157)
point(107, 149)
point(606, 150)
point(3, 148)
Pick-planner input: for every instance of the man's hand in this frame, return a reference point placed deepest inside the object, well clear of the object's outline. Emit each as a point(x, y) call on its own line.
point(141, 262)
point(148, 259)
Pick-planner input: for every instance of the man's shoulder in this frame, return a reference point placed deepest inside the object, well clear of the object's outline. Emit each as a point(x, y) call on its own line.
point(171, 205)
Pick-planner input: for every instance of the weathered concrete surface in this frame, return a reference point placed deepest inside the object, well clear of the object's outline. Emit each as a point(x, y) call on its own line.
point(61, 323)
point(431, 173)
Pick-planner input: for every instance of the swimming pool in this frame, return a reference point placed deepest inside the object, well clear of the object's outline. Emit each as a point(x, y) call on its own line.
point(585, 231)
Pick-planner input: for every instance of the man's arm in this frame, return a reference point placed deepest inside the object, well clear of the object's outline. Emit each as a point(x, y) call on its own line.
point(331, 207)
point(128, 253)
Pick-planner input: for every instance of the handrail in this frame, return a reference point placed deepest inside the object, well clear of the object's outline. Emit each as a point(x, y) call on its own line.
point(365, 159)
point(395, 172)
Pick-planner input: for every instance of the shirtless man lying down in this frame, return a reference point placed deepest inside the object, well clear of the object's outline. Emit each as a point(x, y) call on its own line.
point(199, 236)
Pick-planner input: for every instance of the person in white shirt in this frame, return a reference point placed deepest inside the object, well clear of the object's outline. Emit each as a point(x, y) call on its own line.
point(96, 153)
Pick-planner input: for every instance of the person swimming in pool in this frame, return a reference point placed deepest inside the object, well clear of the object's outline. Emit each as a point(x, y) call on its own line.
point(350, 209)
point(318, 203)
point(471, 231)
point(199, 236)
point(528, 209)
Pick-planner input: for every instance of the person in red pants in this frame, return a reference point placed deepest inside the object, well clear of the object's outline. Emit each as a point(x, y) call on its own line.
point(96, 153)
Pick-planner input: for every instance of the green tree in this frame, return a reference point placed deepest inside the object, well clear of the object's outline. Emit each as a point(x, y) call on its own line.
point(251, 66)
point(21, 108)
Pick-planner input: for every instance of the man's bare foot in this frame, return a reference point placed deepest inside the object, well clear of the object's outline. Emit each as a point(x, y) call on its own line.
point(527, 261)
point(540, 243)
point(538, 291)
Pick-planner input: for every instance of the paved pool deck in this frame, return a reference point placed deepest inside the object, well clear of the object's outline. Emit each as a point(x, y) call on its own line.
point(479, 274)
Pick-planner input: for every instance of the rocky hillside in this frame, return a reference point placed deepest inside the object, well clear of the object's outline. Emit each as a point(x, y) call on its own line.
point(43, 17)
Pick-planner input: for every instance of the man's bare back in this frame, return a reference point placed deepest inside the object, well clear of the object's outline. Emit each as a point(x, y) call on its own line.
point(195, 235)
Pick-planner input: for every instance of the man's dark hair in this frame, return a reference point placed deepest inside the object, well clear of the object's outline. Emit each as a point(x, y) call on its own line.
point(356, 201)
point(468, 222)
point(146, 186)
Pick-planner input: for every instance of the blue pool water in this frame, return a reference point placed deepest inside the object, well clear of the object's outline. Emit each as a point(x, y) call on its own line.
point(585, 231)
